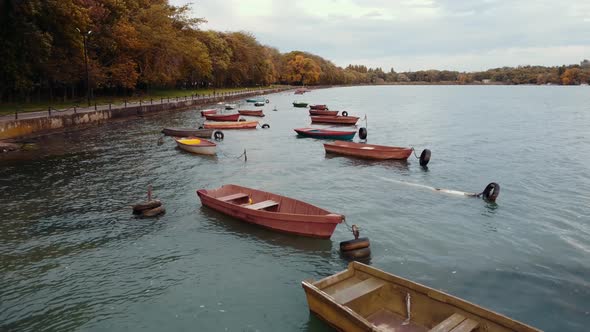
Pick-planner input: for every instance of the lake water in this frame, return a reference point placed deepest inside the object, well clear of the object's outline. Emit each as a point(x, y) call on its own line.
point(73, 258)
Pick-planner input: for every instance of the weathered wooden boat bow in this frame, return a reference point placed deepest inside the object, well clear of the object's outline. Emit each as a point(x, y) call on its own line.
point(150, 208)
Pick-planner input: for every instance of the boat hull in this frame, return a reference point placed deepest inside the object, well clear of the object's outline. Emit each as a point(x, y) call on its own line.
point(300, 105)
point(223, 117)
point(325, 134)
point(368, 151)
point(231, 125)
point(323, 112)
point(207, 148)
point(187, 132)
point(318, 107)
point(363, 298)
point(319, 225)
point(343, 120)
point(258, 113)
point(208, 112)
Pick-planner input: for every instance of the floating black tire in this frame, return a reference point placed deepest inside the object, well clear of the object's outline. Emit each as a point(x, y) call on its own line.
point(200, 127)
point(344, 113)
point(424, 157)
point(491, 192)
point(357, 253)
point(267, 101)
point(265, 126)
point(218, 135)
point(139, 208)
point(359, 243)
point(363, 133)
point(153, 212)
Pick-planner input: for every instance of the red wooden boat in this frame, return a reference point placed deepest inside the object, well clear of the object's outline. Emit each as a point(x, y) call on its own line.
point(223, 117)
point(368, 151)
point(270, 210)
point(251, 112)
point(208, 112)
point(323, 112)
point(343, 120)
point(318, 107)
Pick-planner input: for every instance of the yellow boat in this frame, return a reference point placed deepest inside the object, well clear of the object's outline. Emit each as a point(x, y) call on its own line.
point(196, 145)
point(363, 298)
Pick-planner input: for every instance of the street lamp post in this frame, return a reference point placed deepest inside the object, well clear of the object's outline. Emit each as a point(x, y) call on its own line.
point(84, 35)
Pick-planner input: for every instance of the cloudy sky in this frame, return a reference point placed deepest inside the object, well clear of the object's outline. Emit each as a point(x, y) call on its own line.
point(413, 34)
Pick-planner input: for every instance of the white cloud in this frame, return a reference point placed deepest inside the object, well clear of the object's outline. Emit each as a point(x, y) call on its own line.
point(417, 34)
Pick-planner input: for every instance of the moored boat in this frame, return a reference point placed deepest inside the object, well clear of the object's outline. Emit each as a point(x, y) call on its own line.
point(223, 117)
point(259, 103)
point(255, 100)
point(318, 107)
point(230, 106)
point(323, 112)
point(208, 112)
point(368, 151)
point(363, 298)
point(251, 112)
point(231, 125)
point(300, 105)
point(187, 132)
point(326, 133)
point(196, 145)
point(270, 210)
point(344, 120)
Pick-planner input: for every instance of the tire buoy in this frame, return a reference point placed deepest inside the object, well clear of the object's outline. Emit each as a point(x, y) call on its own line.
point(265, 126)
point(139, 208)
point(153, 212)
point(424, 157)
point(344, 113)
point(200, 127)
point(359, 243)
point(218, 135)
point(491, 192)
point(363, 133)
point(267, 101)
point(357, 253)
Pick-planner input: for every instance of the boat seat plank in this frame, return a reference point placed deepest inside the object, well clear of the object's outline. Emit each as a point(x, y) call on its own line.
point(467, 325)
point(262, 205)
point(448, 324)
point(357, 290)
point(232, 197)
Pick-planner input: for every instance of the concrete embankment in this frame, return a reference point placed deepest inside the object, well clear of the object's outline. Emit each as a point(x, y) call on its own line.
point(49, 122)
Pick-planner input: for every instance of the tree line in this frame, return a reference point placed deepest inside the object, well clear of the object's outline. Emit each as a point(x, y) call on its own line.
point(51, 48)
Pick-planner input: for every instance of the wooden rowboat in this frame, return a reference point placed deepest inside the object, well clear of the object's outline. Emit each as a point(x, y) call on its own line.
point(296, 104)
point(231, 125)
point(251, 112)
point(368, 151)
point(343, 120)
point(323, 112)
point(208, 112)
point(326, 133)
point(270, 210)
point(318, 107)
point(196, 145)
point(223, 117)
point(363, 298)
point(187, 132)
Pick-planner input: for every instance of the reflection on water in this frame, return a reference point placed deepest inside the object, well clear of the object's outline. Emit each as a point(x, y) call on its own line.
point(73, 257)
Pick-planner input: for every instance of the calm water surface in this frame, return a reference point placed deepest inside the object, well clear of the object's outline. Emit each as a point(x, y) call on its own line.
point(74, 259)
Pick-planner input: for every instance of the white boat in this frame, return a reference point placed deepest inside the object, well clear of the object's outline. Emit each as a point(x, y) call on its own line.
point(196, 145)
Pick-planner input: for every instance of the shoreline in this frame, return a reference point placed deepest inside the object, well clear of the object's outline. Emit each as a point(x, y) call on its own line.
point(35, 124)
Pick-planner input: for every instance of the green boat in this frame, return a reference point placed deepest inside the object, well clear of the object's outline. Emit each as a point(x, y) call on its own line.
point(255, 100)
point(296, 104)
